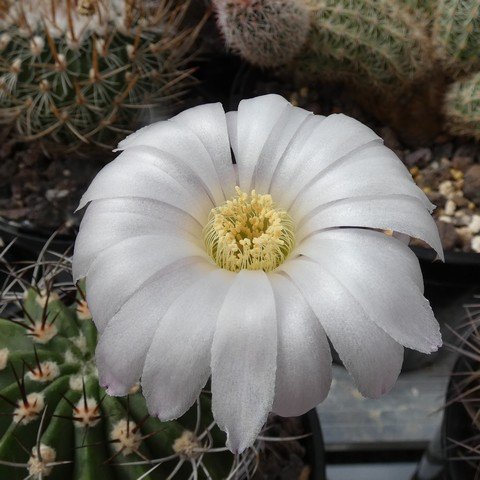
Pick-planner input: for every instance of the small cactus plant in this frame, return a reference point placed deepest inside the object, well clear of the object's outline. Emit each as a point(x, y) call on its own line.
point(462, 107)
point(462, 413)
point(456, 34)
point(82, 72)
point(368, 41)
point(56, 422)
point(267, 33)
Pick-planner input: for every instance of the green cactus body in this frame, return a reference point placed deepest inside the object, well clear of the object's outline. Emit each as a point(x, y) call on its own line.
point(456, 34)
point(75, 73)
point(366, 42)
point(56, 421)
point(462, 107)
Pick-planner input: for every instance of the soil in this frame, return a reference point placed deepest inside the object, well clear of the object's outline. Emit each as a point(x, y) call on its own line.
point(41, 192)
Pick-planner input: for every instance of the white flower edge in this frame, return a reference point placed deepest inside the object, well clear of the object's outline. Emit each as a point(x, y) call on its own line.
point(142, 234)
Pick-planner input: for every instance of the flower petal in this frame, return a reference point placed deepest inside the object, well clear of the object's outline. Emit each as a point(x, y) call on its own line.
point(208, 122)
point(381, 273)
point(148, 173)
point(178, 361)
point(304, 371)
point(244, 356)
point(256, 118)
point(375, 170)
point(119, 271)
point(108, 222)
point(276, 145)
point(400, 213)
point(371, 356)
point(197, 136)
point(123, 345)
point(323, 142)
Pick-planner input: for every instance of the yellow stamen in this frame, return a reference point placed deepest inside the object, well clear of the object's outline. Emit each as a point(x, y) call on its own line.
point(248, 232)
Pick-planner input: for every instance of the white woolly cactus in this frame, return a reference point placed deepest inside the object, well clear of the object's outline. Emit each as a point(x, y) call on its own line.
point(82, 72)
point(266, 33)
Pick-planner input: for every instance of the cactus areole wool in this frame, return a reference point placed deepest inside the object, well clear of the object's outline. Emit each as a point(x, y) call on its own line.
point(203, 266)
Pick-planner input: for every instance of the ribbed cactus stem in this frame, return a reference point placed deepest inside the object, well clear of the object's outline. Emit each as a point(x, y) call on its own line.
point(456, 34)
point(368, 42)
point(462, 107)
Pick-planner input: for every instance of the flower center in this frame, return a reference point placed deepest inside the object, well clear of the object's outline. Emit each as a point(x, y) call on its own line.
point(248, 232)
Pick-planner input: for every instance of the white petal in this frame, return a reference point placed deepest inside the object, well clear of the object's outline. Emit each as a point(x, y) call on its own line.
point(208, 122)
point(244, 356)
point(178, 361)
point(381, 274)
point(108, 222)
point(147, 173)
point(371, 356)
point(304, 361)
point(400, 213)
point(193, 143)
point(123, 346)
point(255, 120)
point(375, 170)
point(330, 139)
point(282, 135)
point(119, 271)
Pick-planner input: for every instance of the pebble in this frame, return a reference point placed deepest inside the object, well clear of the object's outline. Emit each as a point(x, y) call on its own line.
point(465, 235)
point(448, 233)
point(54, 194)
point(418, 158)
point(474, 224)
point(446, 188)
point(471, 186)
point(476, 243)
point(450, 207)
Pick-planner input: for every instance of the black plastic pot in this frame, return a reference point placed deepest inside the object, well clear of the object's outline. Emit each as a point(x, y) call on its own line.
point(315, 446)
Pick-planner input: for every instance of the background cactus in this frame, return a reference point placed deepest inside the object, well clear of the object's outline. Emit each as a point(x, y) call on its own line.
point(462, 107)
point(368, 41)
point(82, 72)
point(57, 422)
point(462, 413)
point(267, 33)
point(456, 34)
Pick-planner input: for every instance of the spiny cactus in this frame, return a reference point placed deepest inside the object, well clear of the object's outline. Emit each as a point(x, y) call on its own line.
point(56, 421)
point(456, 34)
point(82, 72)
point(266, 33)
point(462, 414)
point(462, 107)
point(368, 41)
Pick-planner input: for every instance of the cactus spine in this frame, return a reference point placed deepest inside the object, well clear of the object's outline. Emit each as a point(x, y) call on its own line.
point(462, 107)
point(456, 34)
point(77, 73)
point(267, 33)
point(56, 421)
point(368, 41)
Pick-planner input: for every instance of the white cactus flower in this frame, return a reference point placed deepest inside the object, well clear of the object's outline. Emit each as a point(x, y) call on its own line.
point(197, 268)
